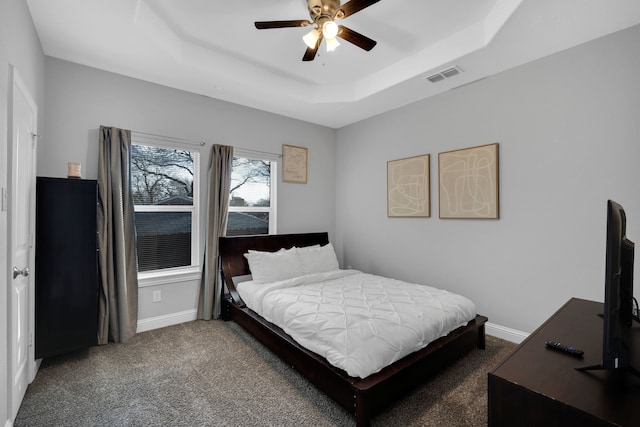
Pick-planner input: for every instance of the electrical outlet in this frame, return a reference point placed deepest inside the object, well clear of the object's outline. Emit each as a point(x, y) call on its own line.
point(157, 296)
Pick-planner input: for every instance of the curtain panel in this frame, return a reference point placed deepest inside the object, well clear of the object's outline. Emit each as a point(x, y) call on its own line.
point(117, 262)
point(219, 182)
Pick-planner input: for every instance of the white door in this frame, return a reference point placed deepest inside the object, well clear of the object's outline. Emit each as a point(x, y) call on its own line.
point(22, 151)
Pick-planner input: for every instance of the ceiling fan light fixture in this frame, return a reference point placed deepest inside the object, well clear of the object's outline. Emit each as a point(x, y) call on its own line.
point(330, 30)
point(324, 14)
point(311, 38)
point(332, 44)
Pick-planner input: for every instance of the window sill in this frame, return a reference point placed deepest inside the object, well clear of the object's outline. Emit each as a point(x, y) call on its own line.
point(168, 276)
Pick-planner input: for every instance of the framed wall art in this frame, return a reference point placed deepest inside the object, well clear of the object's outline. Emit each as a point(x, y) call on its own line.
point(294, 164)
point(408, 187)
point(468, 183)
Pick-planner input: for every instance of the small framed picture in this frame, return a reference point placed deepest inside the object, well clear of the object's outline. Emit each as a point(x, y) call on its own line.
point(294, 164)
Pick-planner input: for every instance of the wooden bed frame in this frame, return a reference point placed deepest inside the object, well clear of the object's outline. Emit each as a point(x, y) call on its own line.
point(362, 397)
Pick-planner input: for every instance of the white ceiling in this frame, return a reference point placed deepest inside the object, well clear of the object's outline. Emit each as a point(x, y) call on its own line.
point(211, 47)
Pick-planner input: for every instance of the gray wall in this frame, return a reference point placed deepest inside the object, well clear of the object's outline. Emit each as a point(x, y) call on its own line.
point(20, 47)
point(569, 134)
point(79, 99)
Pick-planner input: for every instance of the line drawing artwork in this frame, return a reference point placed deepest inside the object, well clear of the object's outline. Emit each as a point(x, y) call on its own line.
point(294, 160)
point(469, 183)
point(408, 187)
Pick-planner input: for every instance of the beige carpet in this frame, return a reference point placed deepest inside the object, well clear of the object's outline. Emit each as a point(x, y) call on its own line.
point(214, 374)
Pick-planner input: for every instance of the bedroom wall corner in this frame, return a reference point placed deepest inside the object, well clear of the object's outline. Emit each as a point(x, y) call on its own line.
point(569, 140)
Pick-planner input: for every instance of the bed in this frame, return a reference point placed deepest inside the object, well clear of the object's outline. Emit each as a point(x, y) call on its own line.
point(362, 397)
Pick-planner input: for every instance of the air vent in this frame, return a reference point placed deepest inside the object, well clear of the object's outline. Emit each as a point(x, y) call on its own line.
point(444, 74)
point(451, 72)
point(435, 78)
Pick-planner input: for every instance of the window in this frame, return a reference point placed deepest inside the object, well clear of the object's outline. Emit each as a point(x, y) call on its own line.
point(164, 182)
point(252, 199)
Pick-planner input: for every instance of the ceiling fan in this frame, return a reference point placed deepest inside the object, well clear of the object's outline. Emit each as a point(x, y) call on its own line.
point(324, 14)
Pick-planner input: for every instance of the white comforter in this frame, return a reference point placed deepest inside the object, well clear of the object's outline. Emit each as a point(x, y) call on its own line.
point(358, 322)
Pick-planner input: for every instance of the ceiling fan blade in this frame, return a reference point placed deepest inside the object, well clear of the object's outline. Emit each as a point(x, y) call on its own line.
point(265, 25)
point(354, 6)
point(310, 54)
point(358, 39)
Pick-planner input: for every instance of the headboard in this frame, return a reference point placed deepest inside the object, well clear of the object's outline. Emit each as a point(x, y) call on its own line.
point(232, 250)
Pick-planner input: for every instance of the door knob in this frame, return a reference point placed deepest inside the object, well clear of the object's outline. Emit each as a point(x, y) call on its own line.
point(24, 272)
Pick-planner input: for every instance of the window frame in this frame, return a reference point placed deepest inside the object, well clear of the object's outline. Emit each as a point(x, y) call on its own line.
point(273, 183)
point(192, 271)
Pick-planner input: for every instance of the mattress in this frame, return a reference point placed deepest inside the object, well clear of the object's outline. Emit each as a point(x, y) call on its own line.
point(359, 322)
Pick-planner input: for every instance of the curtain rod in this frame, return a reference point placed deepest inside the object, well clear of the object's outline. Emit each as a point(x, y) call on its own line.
point(171, 138)
point(249, 151)
point(202, 143)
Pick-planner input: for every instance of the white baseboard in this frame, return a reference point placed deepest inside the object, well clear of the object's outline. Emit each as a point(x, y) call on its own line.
point(166, 320)
point(505, 333)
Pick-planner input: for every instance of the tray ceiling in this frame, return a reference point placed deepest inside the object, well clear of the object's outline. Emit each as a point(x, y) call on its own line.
point(212, 48)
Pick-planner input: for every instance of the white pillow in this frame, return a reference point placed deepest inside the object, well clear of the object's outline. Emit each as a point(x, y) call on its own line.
point(306, 249)
point(314, 259)
point(273, 266)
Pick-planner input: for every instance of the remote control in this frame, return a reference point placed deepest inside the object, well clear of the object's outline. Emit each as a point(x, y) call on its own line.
point(565, 348)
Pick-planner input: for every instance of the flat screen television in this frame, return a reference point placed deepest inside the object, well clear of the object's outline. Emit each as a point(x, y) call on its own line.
point(619, 302)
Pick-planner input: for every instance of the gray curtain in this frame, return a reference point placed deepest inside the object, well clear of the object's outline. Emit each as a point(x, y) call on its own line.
point(118, 295)
point(217, 208)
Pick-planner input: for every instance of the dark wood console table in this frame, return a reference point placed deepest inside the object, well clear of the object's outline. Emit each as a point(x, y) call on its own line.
point(537, 386)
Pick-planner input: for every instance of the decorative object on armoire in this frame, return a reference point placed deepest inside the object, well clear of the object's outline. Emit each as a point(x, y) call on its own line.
point(469, 184)
point(66, 280)
point(408, 187)
point(294, 164)
point(74, 170)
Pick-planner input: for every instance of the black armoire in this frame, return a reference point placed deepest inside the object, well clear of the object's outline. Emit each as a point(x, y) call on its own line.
point(66, 265)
